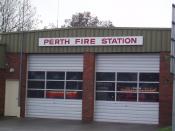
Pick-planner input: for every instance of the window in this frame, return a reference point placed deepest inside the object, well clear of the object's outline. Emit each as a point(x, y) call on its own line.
point(127, 86)
point(55, 75)
point(74, 85)
point(36, 84)
point(105, 76)
point(55, 85)
point(105, 86)
point(126, 76)
point(36, 75)
point(35, 93)
point(149, 77)
point(126, 96)
point(74, 76)
point(108, 96)
point(148, 87)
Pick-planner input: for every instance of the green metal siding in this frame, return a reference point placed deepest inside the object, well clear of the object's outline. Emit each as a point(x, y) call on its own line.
point(2, 56)
point(155, 40)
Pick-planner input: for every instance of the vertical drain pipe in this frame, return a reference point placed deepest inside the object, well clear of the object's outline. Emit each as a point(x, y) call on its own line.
point(173, 64)
point(21, 58)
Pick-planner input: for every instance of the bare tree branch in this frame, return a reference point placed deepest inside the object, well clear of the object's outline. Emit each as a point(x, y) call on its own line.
point(11, 13)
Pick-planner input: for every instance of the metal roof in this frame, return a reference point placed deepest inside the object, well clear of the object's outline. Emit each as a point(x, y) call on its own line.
point(155, 40)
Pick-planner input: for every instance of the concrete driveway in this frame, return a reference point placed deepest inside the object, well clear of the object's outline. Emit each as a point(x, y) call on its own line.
point(35, 124)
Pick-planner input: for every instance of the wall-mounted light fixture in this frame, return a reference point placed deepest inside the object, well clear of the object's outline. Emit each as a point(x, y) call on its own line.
point(11, 70)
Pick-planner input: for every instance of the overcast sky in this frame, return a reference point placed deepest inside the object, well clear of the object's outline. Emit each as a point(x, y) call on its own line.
point(123, 13)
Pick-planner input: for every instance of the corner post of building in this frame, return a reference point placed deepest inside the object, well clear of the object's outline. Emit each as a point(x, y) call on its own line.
point(88, 87)
point(2, 91)
point(23, 86)
point(165, 91)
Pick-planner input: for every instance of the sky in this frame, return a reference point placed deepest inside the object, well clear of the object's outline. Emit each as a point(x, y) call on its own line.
point(122, 13)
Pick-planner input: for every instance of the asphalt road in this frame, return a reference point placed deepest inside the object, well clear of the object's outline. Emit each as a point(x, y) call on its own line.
point(35, 124)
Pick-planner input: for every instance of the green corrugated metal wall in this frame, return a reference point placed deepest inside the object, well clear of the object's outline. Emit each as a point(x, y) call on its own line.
point(155, 40)
point(2, 56)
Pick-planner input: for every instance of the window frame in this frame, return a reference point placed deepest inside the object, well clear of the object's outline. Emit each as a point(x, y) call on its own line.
point(48, 80)
point(137, 82)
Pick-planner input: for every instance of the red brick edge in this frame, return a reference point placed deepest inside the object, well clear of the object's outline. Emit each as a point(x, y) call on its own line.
point(2, 91)
point(88, 87)
point(165, 90)
point(23, 86)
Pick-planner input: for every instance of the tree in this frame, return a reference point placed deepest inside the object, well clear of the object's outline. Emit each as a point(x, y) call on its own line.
point(11, 15)
point(86, 20)
point(50, 26)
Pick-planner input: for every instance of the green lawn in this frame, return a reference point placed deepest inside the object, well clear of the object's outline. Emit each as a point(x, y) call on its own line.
point(166, 129)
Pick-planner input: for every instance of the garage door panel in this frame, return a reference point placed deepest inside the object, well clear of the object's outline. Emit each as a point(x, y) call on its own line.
point(129, 62)
point(55, 105)
point(127, 111)
point(56, 116)
point(56, 111)
point(50, 105)
point(52, 101)
point(127, 120)
point(56, 62)
point(127, 116)
point(116, 104)
point(48, 108)
point(56, 108)
point(57, 102)
point(131, 108)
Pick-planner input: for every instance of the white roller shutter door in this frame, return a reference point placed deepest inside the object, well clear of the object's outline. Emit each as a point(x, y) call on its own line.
point(54, 108)
point(127, 63)
point(55, 63)
point(125, 111)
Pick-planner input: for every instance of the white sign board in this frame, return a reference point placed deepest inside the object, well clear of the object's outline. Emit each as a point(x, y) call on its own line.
point(91, 41)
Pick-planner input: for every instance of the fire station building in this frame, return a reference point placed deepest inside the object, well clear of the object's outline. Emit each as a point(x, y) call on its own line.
point(90, 74)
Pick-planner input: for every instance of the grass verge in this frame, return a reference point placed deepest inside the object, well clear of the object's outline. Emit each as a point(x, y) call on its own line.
point(166, 129)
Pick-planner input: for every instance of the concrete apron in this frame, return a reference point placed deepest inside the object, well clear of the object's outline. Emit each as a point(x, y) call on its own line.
point(36, 124)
